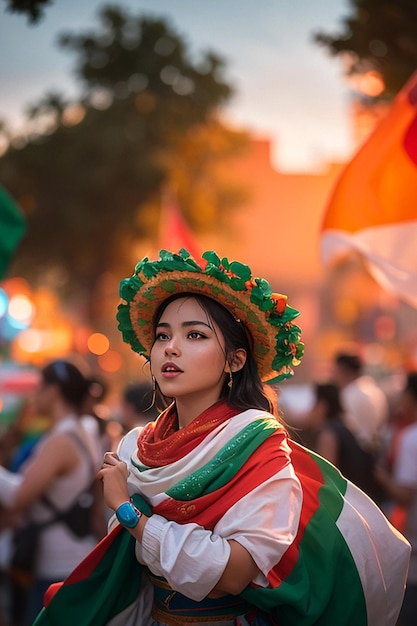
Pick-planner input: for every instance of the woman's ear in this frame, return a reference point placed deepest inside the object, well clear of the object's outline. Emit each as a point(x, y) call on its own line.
point(236, 361)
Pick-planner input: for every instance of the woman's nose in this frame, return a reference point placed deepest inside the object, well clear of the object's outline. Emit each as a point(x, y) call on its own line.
point(171, 347)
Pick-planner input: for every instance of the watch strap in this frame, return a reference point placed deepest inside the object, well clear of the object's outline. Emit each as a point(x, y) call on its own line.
point(128, 515)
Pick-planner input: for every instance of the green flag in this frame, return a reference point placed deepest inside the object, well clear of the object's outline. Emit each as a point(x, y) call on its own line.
point(12, 229)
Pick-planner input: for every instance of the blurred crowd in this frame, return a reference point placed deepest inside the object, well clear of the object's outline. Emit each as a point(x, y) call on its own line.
point(49, 458)
point(371, 437)
point(50, 454)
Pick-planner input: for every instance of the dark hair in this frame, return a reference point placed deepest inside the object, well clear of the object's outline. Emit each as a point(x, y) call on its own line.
point(349, 361)
point(411, 384)
point(72, 385)
point(246, 391)
point(330, 394)
point(140, 396)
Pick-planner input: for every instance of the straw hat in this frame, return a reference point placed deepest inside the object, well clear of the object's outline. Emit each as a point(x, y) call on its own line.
point(267, 316)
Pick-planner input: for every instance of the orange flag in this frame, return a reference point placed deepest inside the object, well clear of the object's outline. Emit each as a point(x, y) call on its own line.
point(174, 232)
point(373, 207)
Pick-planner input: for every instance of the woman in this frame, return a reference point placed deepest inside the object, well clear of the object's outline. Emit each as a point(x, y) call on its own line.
point(219, 517)
point(61, 467)
point(336, 443)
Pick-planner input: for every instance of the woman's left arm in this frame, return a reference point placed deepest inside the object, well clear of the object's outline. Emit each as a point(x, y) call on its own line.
point(240, 570)
point(20, 490)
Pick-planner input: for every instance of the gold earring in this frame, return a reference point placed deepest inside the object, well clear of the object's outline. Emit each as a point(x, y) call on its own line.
point(230, 383)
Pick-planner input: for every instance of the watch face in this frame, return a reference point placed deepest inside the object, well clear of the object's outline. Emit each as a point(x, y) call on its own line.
point(128, 515)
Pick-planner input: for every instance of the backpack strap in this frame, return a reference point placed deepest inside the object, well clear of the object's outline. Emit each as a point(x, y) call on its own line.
point(81, 444)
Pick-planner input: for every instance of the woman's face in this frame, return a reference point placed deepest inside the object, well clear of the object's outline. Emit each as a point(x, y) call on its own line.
point(188, 356)
point(44, 398)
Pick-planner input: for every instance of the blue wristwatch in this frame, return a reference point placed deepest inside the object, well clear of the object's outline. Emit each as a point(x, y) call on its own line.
point(128, 515)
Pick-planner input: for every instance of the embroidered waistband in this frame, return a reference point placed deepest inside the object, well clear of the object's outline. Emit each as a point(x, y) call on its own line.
point(174, 609)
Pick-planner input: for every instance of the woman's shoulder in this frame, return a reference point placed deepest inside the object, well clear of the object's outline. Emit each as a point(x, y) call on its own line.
point(251, 415)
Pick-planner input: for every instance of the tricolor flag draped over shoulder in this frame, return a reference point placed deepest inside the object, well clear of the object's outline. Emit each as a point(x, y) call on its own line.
point(12, 229)
point(373, 208)
point(346, 564)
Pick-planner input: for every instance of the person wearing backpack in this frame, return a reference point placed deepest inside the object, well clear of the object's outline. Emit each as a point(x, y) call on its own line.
point(53, 490)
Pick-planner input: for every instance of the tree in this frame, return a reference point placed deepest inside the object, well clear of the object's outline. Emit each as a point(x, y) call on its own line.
point(89, 169)
point(379, 35)
point(32, 8)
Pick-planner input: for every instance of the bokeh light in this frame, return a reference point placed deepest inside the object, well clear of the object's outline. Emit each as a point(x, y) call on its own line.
point(30, 340)
point(98, 343)
point(21, 309)
point(110, 362)
point(4, 301)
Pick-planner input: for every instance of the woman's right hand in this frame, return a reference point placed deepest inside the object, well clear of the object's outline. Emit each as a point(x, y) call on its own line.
point(113, 475)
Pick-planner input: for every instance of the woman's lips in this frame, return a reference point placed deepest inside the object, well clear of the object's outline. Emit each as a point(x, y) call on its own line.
point(170, 370)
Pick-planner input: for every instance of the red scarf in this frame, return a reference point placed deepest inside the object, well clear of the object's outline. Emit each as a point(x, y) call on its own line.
point(161, 443)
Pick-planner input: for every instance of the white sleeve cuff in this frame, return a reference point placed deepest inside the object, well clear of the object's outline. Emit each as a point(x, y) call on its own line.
point(9, 486)
point(191, 558)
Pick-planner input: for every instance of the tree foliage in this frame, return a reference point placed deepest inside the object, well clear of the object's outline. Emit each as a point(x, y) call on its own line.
point(379, 35)
point(34, 9)
point(87, 178)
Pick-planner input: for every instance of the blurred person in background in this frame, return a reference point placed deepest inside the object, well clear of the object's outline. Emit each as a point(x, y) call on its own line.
point(336, 443)
point(16, 445)
point(95, 413)
point(402, 416)
point(137, 405)
point(95, 416)
point(61, 466)
point(401, 485)
point(20, 437)
point(365, 406)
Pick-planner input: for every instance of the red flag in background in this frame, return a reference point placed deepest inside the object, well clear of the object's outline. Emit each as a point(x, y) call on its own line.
point(373, 208)
point(174, 232)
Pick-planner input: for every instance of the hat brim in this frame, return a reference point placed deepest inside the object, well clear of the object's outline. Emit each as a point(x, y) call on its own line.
point(275, 338)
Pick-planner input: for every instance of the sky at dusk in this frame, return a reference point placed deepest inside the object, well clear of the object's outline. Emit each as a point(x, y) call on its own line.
point(287, 87)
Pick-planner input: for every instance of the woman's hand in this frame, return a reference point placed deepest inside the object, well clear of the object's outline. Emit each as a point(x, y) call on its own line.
point(113, 475)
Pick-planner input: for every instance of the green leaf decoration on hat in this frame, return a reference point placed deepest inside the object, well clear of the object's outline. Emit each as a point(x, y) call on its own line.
point(266, 315)
point(129, 287)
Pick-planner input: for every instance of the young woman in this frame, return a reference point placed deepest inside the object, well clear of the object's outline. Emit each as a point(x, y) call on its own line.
point(63, 463)
point(219, 517)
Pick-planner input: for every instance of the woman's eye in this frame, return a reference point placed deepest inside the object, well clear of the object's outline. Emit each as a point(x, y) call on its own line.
point(195, 334)
point(161, 336)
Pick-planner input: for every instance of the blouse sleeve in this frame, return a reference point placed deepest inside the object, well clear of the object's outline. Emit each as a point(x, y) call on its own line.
point(192, 559)
point(189, 557)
